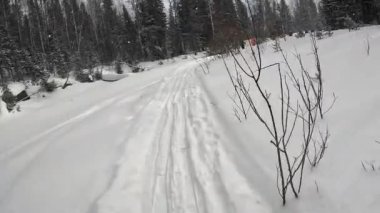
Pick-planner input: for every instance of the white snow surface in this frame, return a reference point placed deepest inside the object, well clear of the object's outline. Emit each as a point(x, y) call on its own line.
point(166, 140)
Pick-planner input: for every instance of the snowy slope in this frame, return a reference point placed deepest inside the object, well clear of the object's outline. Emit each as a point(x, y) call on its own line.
point(340, 183)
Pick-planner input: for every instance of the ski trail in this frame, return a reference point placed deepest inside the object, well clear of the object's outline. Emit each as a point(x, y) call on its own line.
point(79, 118)
point(175, 162)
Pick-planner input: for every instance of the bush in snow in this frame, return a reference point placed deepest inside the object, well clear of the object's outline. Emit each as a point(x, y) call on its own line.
point(97, 75)
point(49, 86)
point(9, 98)
point(298, 111)
point(118, 68)
point(350, 24)
point(84, 77)
point(300, 34)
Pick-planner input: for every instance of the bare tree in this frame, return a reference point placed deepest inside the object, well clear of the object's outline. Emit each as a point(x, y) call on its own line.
point(299, 110)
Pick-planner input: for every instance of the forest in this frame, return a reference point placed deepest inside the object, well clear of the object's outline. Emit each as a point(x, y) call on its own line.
point(39, 38)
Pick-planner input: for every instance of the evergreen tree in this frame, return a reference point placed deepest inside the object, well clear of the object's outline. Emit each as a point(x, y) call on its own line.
point(338, 12)
point(285, 18)
point(306, 15)
point(4, 14)
point(188, 24)
point(174, 34)
point(15, 62)
point(153, 28)
point(108, 32)
point(243, 17)
point(227, 27)
point(258, 19)
point(204, 22)
point(87, 45)
point(270, 19)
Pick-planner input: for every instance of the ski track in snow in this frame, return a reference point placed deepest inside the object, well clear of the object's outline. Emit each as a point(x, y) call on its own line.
point(171, 159)
point(179, 166)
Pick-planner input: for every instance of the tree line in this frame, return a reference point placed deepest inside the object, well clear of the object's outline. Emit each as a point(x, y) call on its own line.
point(40, 37)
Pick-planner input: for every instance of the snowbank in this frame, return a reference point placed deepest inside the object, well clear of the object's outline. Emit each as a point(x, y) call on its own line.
point(109, 72)
point(111, 76)
point(340, 184)
point(3, 109)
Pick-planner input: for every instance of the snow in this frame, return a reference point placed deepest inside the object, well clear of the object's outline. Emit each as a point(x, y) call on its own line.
point(354, 123)
point(166, 140)
point(3, 109)
point(14, 87)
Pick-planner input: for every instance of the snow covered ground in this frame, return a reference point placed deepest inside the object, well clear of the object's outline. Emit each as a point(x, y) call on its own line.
point(166, 140)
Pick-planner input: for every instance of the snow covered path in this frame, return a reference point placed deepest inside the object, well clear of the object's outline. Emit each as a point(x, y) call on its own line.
point(156, 147)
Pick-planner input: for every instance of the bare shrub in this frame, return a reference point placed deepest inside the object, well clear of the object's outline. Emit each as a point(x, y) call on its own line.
point(299, 110)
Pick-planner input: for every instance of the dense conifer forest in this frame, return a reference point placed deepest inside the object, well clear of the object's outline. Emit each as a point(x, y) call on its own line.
point(41, 37)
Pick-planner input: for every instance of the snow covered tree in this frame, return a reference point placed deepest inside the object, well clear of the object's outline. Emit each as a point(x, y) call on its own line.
point(15, 62)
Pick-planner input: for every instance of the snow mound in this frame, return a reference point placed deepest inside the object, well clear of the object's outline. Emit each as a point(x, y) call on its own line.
point(109, 76)
point(14, 87)
point(3, 109)
point(109, 72)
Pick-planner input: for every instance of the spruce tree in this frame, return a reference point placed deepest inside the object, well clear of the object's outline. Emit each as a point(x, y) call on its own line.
point(228, 32)
point(108, 32)
point(285, 18)
point(186, 18)
point(242, 13)
point(174, 34)
point(258, 20)
point(153, 28)
point(130, 41)
point(334, 13)
point(204, 22)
